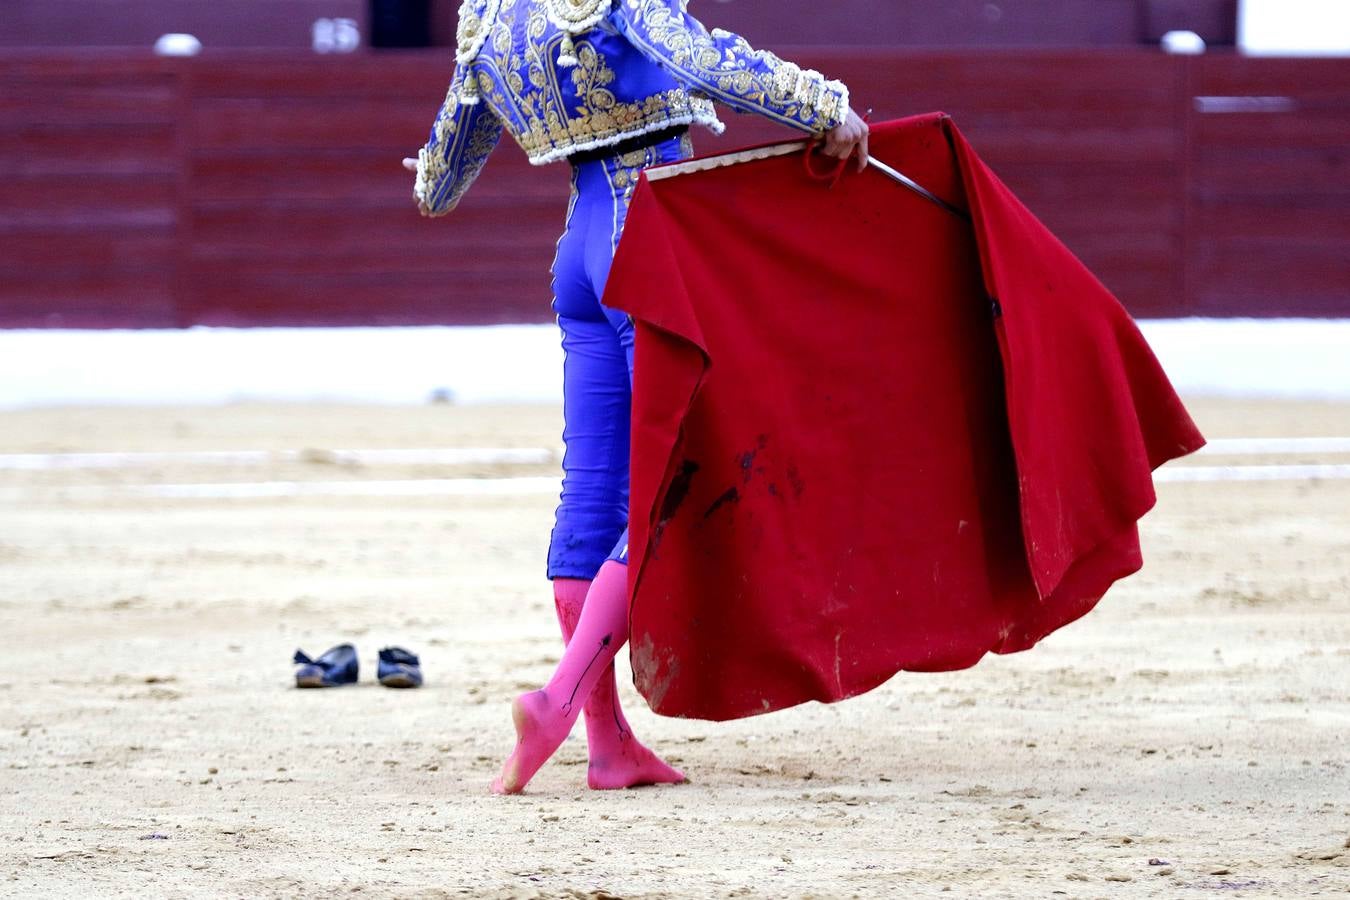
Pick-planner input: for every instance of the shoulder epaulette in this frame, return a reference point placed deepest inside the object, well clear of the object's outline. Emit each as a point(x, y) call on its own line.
point(476, 18)
point(575, 17)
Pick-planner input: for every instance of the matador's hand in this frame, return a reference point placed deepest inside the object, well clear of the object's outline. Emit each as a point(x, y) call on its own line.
point(411, 165)
point(848, 136)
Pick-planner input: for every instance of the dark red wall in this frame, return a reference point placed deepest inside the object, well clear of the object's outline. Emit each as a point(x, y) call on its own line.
point(1268, 209)
point(257, 188)
point(892, 23)
point(123, 23)
point(951, 23)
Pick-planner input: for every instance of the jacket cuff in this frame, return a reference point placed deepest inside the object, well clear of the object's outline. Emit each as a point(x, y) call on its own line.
point(822, 104)
point(430, 170)
point(833, 105)
point(827, 102)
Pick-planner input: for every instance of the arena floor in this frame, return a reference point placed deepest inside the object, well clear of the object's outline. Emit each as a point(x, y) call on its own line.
point(1190, 736)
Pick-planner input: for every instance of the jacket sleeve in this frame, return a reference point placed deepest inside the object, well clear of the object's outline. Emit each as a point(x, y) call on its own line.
point(462, 138)
point(725, 68)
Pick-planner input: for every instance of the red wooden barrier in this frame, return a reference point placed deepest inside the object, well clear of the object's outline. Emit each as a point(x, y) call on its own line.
point(91, 182)
point(137, 23)
point(259, 188)
point(895, 23)
point(1269, 205)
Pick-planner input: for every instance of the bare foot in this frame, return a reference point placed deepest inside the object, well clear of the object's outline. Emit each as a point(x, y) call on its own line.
point(540, 731)
point(631, 766)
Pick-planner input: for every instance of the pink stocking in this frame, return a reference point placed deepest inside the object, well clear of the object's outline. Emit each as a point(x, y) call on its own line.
point(617, 759)
point(584, 679)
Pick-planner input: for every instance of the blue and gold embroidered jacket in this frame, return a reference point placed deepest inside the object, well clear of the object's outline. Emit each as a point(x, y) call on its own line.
point(566, 76)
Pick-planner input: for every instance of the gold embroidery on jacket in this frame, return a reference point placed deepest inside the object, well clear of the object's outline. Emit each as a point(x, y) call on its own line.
point(802, 96)
point(549, 126)
point(484, 130)
point(508, 59)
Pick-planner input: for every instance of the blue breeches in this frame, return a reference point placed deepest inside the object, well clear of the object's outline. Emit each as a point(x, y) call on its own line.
point(592, 517)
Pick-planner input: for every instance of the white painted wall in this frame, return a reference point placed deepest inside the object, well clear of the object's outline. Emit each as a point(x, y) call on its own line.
point(523, 363)
point(1294, 27)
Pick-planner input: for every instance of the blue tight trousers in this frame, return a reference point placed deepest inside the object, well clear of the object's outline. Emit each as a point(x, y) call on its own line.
point(592, 517)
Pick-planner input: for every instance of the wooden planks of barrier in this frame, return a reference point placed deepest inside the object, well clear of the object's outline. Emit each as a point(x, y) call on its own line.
point(1269, 199)
point(257, 187)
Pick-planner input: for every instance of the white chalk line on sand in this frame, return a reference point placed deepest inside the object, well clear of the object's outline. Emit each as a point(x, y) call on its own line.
point(444, 456)
point(283, 490)
point(551, 486)
point(517, 486)
point(523, 487)
point(461, 456)
point(430, 487)
point(1300, 446)
point(1182, 474)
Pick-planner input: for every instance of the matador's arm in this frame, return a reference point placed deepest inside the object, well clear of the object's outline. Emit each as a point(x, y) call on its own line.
point(462, 138)
point(727, 69)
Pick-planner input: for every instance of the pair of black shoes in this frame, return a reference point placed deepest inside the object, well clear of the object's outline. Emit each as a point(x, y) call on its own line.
point(339, 666)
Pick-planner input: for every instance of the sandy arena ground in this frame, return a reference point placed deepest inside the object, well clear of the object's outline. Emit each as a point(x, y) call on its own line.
point(1190, 738)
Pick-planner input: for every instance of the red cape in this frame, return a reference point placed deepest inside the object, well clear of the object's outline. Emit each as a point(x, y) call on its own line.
point(867, 436)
